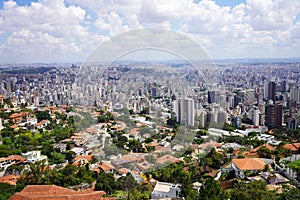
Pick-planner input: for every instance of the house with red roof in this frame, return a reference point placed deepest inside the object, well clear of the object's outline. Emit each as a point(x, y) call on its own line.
point(82, 160)
point(53, 192)
point(106, 167)
point(10, 179)
point(240, 165)
point(294, 147)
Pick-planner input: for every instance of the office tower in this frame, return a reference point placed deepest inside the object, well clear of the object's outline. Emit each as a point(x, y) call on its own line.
point(213, 97)
point(272, 91)
point(283, 86)
point(153, 92)
point(230, 100)
point(237, 100)
point(185, 111)
point(273, 115)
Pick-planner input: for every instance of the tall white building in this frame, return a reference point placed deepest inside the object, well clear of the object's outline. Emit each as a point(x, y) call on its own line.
point(295, 93)
point(266, 89)
point(254, 116)
point(1, 126)
point(185, 111)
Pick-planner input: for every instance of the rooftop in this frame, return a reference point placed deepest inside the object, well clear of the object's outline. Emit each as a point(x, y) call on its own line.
point(47, 192)
point(249, 163)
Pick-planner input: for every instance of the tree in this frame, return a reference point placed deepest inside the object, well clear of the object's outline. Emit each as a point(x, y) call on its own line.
point(211, 190)
point(295, 166)
point(42, 115)
point(35, 172)
point(6, 190)
point(264, 152)
point(107, 183)
point(256, 190)
point(128, 184)
point(290, 195)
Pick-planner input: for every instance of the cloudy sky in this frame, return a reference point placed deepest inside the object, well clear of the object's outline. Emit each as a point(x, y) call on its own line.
point(69, 30)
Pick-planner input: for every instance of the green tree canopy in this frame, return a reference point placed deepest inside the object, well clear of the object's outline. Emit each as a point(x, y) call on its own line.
point(211, 190)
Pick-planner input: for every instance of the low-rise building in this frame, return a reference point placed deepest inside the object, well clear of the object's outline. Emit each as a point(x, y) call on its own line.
point(165, 190)
point(57, 193)
point(34, 156)
point(247, 164)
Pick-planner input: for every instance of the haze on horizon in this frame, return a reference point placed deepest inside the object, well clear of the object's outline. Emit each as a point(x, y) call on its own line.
point(69, 30)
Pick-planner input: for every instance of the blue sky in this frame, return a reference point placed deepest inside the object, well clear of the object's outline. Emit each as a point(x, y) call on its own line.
point(69, 30)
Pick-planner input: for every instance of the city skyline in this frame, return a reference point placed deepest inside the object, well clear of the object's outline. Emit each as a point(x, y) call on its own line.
point(69, 30)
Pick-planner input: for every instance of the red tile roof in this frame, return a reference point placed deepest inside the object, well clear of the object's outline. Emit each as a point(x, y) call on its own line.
point(271, 148)
point(249, 163)
point(167, 158)
point(10, 179)
point(52, 192)
point(15, 115)
point(106, 166)
point(292, 147)
point(88, 158)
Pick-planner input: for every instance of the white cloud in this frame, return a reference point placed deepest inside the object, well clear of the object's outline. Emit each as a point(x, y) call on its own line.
point(271, 15)
point(47, 27)
point(248, 29)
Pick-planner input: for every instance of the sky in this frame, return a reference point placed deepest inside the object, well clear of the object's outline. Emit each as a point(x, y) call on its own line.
point(69, 30)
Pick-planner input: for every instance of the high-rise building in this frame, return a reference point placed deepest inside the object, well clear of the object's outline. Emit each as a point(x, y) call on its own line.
point(254, 116)
point(292, 124)
point(272, 90)
point(213, 97)
point(247, 96)
point(273, 115)
point(266, 86)
point(295, 93)
point(1, 126)
point(185, 111)
point(203, 118)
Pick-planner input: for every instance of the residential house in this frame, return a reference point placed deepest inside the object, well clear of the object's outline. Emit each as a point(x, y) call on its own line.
point(10, 160)
point(42, 124)
point(254, 152)
point(19, 117)
point(135, 133)
point(82, 160)
point(34, 156)
point(78, 151)
point(36, 192)
point(167, 159)
point(247, 164)
point(165, 190)
point(106, 167)
point(10, 179)
point(143, 166)
point(294, 147)
point(270, 178)
point(61, 147)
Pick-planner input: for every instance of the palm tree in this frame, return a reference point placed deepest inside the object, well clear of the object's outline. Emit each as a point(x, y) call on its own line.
point(35, 172)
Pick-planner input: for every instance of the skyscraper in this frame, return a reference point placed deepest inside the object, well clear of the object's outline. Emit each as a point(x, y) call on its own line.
point(185, 111)
point(254, 116)
point(273, 115)
point(272, 90)
point(1, 126)
point(213, 97)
